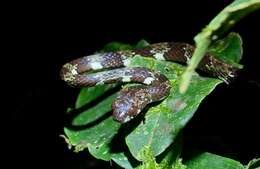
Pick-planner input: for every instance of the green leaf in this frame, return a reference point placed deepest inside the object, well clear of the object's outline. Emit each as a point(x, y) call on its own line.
point(141, 44)
point(149, 161)
point(228, 49)
point(95, 112)
point(102, 152)
point(95, 138)
point(211, 161)
point(216, 28)
point(254, 164)
point(116, 46)
point(93, 134)
point(164, 121)
point(179, 165)
point(172, 154)
point(122, 160)
point(89, 94)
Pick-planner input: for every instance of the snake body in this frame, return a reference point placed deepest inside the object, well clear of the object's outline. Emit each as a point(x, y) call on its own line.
point(112, 67)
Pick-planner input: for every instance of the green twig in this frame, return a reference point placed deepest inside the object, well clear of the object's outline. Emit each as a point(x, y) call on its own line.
point(217, 27)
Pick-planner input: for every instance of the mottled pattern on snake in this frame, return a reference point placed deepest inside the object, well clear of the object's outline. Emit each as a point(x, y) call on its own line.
point(113, 68)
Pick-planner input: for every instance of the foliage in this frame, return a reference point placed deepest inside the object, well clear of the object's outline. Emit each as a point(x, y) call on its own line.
point(215, 29)
point(153, 139)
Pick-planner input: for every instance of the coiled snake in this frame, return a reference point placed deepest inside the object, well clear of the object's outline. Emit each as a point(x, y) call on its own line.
point(82, 72)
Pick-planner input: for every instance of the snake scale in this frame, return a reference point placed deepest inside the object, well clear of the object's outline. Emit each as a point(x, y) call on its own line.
point(112, 67)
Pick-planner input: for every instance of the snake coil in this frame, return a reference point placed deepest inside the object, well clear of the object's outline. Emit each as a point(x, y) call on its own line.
point(156, 86)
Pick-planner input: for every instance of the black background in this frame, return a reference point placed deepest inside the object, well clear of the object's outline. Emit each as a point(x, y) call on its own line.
point(42, 37)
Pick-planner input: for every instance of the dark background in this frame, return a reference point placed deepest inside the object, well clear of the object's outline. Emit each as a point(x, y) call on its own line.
point(42, 37)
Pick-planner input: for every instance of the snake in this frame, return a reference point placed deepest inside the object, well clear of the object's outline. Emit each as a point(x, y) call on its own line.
point(113, 67)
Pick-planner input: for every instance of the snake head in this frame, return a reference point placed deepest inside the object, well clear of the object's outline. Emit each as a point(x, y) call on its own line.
point(129, 103)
